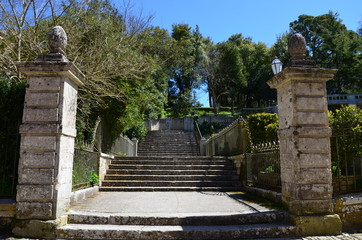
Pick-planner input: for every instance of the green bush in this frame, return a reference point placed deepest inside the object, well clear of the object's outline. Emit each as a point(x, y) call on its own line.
point(263, 127)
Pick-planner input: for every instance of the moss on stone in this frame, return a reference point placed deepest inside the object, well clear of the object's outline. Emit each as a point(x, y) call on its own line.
point(317, 225)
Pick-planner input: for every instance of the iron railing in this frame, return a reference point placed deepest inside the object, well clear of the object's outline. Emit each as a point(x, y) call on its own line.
point(263, 167)
point(346, 152)
point(85, 168)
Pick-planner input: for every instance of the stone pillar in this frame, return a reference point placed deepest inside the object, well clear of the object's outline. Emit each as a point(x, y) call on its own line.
point(47, 142)
point(304, 135)
point(135, 147)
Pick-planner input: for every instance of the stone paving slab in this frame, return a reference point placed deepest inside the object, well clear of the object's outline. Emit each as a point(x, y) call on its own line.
point(165, 203)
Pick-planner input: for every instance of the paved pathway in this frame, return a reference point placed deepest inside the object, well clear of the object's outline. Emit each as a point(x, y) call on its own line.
point(168, 203)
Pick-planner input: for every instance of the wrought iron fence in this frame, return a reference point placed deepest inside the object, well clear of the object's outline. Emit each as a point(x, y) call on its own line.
point(346, 150)
point(9, 158)
point(85, 168)
point(263, 168)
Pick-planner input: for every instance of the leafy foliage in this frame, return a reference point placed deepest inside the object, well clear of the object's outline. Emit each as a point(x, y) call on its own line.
point(331, 45)
point(263, 127)
point(121, 56)
point(241, 70)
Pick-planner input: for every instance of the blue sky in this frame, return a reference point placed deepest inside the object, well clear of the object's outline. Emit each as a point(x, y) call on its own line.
point(262, 20)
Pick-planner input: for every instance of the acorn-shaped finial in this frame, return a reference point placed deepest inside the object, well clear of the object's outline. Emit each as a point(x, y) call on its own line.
point(57, 40)
point(297, 46)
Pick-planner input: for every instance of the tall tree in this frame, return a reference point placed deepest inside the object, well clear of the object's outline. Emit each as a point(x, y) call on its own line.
point(188, 65)
point(110, 47)
point(240, 71)
point(331, 45)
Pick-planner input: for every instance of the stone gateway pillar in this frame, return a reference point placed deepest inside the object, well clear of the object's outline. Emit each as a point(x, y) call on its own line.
point(304, 134)
point(47, 140)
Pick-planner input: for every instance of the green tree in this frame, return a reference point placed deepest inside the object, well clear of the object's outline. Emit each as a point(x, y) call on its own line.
point(125, 83)
point(239, 72)
point(331, 45)
point(187, 67)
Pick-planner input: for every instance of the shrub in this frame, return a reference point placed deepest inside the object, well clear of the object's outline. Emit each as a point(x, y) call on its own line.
point(263, 127)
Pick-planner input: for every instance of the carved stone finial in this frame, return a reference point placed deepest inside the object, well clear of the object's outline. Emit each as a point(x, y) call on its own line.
point(297, 46)
point(57, 40)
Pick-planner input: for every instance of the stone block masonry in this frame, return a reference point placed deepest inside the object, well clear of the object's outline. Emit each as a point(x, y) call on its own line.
point(304, 135)
point(47, 139)
point(47, 143)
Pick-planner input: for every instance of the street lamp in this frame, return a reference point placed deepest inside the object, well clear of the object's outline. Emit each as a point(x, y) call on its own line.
point(276, 66)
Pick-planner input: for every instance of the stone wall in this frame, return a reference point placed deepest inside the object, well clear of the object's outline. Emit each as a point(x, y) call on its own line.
point(185, 124)
point(349, 209)
point(230, 141)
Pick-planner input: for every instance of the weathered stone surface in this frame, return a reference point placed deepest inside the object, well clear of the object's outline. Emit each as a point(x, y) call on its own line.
point(41, 115)
point(311, 118)
point(36, 228)
point(69, 104)
point(310, 89)
point(297, 46)
point(314, 191)
point(304, 104)
point(44, 83)
point(304, 144)
point(320, 160)
point(41, 99)
point(314, 175)
point(303, 207)
point(36, 176)
point(317, 225)
point(313, 145)
point(349, 209)
point(46, 143)
point(305, 131)
point(57, 39)
point(33, 193)
point(37, 210)
point(38, 159)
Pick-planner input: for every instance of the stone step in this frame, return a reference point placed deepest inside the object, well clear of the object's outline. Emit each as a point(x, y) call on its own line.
point(163, 158)
point(172, 162)
point(171, 142)
point(79, 217)
point(92, 231)
point(173, 177)
point(169, 189)
point(167, 154)
point(170, 167)
point(165, 183)
point(170, 172)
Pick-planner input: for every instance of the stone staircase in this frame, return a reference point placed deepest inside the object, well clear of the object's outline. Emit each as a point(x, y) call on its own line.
point(168, 161)
point(237, 226)
point(168, 143)
point(188, 173)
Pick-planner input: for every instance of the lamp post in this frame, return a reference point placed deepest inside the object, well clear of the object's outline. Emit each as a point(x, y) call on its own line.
point(276, 66)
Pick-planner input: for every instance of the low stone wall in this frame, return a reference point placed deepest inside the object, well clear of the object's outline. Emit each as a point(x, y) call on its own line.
point(185, 124)
point(349, 209)
point(83, 194)
point(230, 141)
point(124, 146)
point(104, 162)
